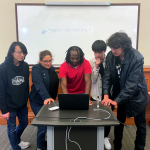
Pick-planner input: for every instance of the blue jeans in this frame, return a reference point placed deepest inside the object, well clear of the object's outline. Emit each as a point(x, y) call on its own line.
point(41, 129)
point(13, 133)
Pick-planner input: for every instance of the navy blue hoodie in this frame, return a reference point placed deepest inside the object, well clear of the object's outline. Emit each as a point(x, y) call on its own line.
point(14, 86)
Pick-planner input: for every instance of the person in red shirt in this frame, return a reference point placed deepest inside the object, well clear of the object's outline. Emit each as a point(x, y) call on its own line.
point(75, 73)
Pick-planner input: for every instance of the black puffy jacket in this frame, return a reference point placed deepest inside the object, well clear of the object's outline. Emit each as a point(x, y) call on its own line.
point(133, 88)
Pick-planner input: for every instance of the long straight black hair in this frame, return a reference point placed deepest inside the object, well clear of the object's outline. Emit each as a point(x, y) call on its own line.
point(12, 49)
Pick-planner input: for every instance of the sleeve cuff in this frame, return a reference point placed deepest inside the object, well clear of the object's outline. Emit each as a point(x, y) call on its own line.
point(4, 111)
point(46, 98)
point(106, 92)
point(118, 100)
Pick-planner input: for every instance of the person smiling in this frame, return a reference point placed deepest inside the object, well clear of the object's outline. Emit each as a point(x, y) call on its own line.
point(124, 71)
point(43, 90)
point(14, 93)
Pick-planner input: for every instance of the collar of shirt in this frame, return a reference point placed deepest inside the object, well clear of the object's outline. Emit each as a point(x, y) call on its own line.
point(68, 64)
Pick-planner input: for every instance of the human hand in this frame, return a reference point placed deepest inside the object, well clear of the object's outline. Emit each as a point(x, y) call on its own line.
point(90, 102)
point(6, 116)
point(97, 63)
point(48, 101)
point(109, 102)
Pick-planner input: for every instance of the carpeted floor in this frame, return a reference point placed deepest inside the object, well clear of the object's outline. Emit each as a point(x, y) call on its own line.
point(30, 135)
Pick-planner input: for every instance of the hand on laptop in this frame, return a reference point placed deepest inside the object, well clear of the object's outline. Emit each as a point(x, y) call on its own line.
point(48, 101)
point(90, 102)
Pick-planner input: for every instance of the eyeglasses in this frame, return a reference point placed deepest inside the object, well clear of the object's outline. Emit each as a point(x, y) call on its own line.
point(47, 61)
point(20, 52)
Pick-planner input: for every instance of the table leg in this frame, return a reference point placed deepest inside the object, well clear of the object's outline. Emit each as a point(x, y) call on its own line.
point(100, 138)
point(50, 138)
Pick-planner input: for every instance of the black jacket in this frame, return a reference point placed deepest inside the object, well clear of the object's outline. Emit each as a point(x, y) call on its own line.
point(133, 88)
point(14, 86)
point(40, 87)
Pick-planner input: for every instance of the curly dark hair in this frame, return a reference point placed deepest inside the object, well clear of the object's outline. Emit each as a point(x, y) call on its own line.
point(74, 48)
point(119, 39)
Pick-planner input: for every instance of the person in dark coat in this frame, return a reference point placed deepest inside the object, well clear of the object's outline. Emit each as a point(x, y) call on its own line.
point(124, 71)
point(43, 90)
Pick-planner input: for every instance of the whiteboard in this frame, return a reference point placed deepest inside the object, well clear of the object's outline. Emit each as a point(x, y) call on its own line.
point(56, 28)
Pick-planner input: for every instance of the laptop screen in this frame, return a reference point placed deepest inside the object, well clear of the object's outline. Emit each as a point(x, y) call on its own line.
point(73, 101)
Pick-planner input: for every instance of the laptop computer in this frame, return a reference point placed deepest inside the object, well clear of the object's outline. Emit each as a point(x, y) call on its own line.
point(73, 101)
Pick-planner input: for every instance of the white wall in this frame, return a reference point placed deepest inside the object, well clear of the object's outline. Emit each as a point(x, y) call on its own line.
point(8, 24)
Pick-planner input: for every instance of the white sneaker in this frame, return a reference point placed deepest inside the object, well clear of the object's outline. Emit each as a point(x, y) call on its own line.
point(24, 145)
point(107, 143)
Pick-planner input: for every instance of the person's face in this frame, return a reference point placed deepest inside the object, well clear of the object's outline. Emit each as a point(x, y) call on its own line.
point(46, 61)
point(117, 52)
point(18, 54)
point(74, 58)
point(99, 55)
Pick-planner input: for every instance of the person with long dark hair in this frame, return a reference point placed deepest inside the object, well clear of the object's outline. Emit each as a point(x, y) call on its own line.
point(75, 73)
point(124, 71)
point(43, 90)
point(14, 93)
